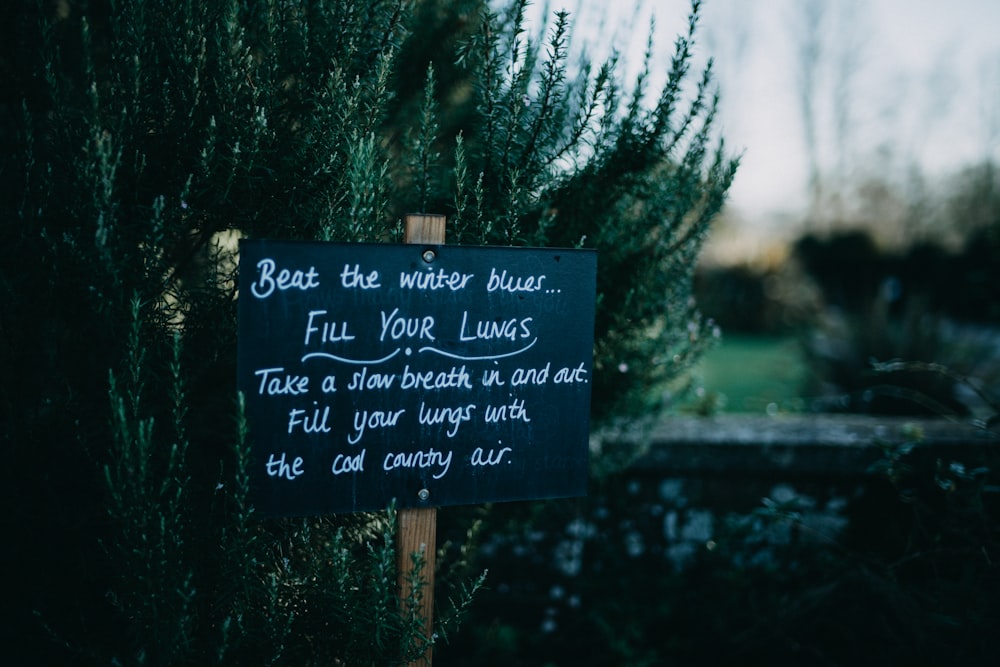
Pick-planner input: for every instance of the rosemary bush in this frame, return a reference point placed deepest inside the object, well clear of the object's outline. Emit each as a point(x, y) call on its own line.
point(140, 139)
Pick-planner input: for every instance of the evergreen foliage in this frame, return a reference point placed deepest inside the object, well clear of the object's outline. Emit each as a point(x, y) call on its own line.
point(140, 139)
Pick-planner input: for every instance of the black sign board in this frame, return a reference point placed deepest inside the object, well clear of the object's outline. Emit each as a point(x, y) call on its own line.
point(428, 375)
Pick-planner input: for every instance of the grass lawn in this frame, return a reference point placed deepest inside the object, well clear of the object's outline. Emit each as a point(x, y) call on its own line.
point(753, 374)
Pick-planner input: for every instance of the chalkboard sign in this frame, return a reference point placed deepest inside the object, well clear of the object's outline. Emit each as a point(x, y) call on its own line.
point(428, 375)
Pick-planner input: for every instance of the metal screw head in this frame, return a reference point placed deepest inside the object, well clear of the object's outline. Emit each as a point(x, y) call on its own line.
point(428, 256)
point(423, 494)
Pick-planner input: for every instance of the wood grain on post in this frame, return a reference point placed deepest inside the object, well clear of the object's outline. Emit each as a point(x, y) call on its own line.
point(417, 527)
point(424, 229)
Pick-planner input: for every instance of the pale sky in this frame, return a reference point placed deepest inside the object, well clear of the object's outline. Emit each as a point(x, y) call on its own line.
point(923, 84)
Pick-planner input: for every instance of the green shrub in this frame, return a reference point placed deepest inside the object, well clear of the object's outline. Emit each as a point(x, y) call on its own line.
point(889, 318)
point(140, 140)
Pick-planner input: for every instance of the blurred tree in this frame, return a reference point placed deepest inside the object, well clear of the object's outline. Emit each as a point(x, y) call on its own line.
point(830, 41)
point(810, 51)
point(141, 139)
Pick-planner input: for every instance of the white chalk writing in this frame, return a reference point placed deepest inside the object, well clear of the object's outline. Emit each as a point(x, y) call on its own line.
point(286, 279)
point(446, 373)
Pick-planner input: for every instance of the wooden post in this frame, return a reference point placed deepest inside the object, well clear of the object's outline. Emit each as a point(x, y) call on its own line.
point(424, 229)
point(417, 527)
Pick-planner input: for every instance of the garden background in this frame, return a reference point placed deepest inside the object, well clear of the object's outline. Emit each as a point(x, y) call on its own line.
point(141, 139)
